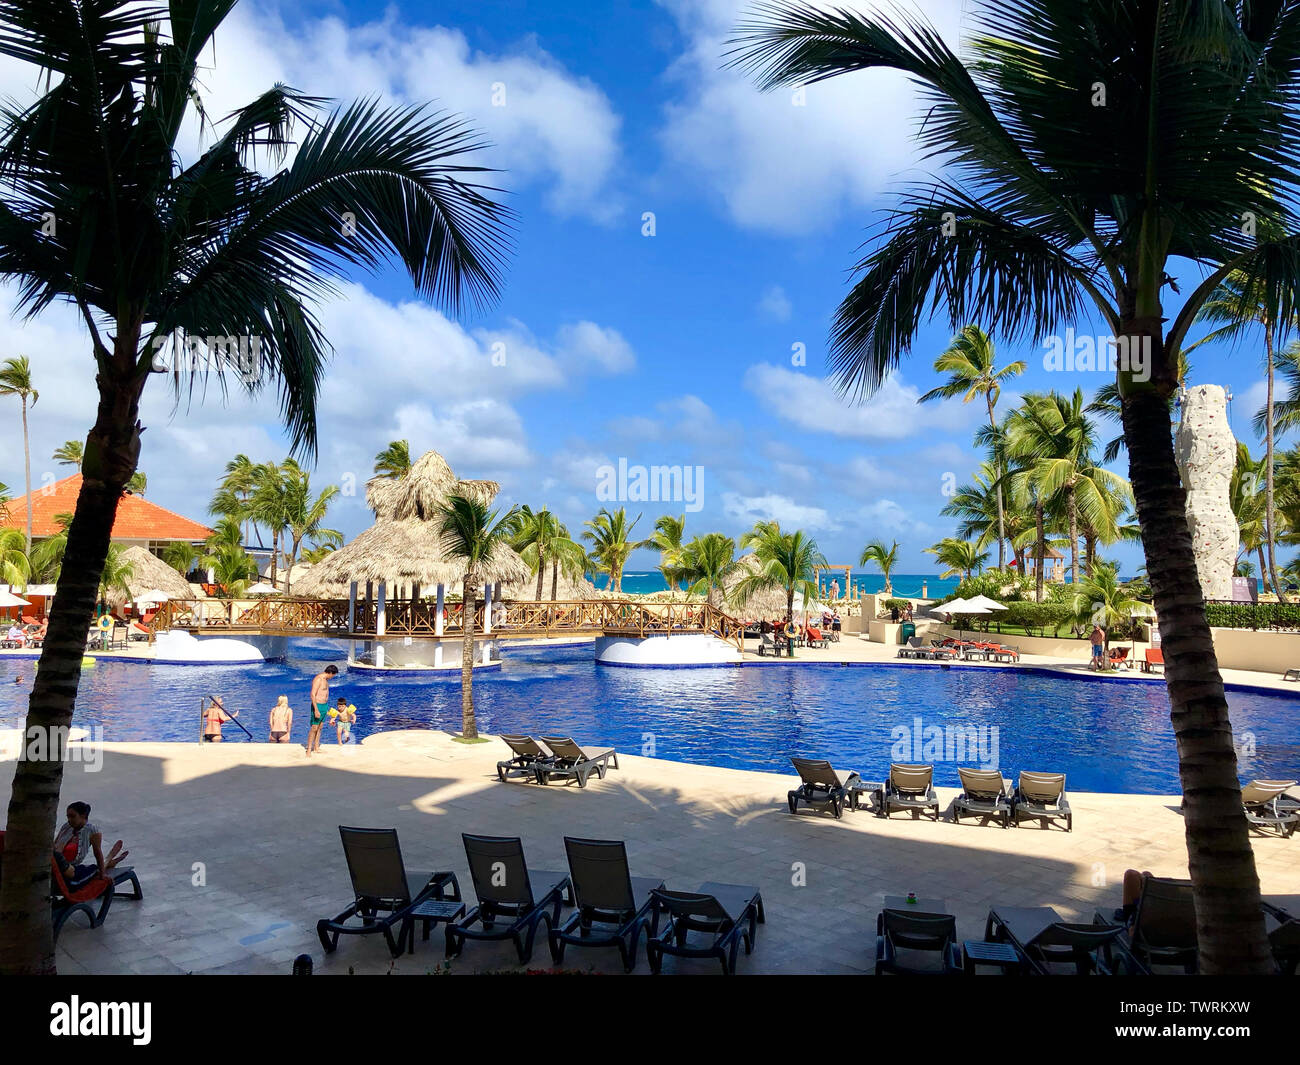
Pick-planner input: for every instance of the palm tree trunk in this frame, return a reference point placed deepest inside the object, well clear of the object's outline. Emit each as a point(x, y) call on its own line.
point(541, 573)
point(275, 554)
point(1074, 536)
point(555, 577)
point(26, 940)
point(27, 462)
point(997, 473)
point(1225, 886)
point(1263, 580)
point(468, 727)
point(1040, 549)
point(1268, 470)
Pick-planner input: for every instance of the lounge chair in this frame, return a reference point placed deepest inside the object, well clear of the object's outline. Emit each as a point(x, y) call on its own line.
point(136, 631)
point(915, 935)
point(65, 899)
point(573, 763)
point(605, 893)
point(821, 784)
point(1265, 808)
point(1154, 659)
point(914, 648)
point(984, 793)
point(1164, 924)
point(910, 787)
point(726, 914)
point(815, 638)
point(1283, 937)
point(528, 754)
point(1041, 796)
point(1003, 653)
point(767, 645)
point(1087, 949)
point(1291, 674)
point(384, 892)
point(508, 907)
point(1119, 658)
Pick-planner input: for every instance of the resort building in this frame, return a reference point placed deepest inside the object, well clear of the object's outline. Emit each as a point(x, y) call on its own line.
point(139, 523)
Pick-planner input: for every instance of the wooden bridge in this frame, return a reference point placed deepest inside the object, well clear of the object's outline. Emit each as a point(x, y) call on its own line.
point(420, 619)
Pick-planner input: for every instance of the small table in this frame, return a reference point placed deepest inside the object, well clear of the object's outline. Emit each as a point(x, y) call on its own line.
point(871, 788)
point(431, 912)
point(899, 902)
point(978, 952)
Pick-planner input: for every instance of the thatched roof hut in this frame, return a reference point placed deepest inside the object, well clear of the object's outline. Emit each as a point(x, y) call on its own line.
point(768, 603)
point(149, 572)
point(405, 546)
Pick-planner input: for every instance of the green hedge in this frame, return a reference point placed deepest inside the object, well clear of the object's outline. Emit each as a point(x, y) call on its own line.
point(1253, 615)
point(901, 604)
point(1038, 619)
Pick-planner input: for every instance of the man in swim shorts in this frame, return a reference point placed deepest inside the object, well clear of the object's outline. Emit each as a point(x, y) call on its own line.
point(320, 706)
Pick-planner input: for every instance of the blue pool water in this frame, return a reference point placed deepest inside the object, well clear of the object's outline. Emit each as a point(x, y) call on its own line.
point(1107, 736)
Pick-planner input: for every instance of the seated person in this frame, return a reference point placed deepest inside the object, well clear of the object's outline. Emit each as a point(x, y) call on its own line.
point(16, 635)
point(76, 841)
point(1129, 895)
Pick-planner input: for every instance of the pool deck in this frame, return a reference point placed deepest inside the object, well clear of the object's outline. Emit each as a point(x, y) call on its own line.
point(238, 852)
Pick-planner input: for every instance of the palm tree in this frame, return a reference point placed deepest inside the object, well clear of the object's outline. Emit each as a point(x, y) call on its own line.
point(1024, 231)
point(567, 557)
point(181, 556)
point(305, 516)
point(268, 505)
point(394, 462)
point(319, 552)
point(886, 558)
point(232, 567)
point(958, 556)
point(1246, 498)
point(707, 562)
point(138, 484)
point(5, 500)
point(534, 534)
point(788, 561)
point(611, 538)
point(1286, 411)
point(471, 533)
point(241, 243)
point(234, 492)
point(70, 453)
point(116, 573)
point(972, 371)
point(15, 566)
point(47, 556)
point(1103, 600)
point(667, 540)
point(1055, 439)
point(16, 380)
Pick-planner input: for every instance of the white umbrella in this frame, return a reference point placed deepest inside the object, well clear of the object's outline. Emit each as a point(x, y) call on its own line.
point(262, 588)
point(154, 595)
point(985, 602)
point(8, 599)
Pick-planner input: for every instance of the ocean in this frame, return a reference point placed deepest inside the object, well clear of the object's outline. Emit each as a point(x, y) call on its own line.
point(642, 582)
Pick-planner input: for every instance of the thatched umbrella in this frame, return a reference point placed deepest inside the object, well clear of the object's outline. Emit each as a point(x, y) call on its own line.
point(766, 603)
point(148, 572)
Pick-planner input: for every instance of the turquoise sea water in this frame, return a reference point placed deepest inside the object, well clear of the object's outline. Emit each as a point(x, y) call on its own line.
point(642, 582)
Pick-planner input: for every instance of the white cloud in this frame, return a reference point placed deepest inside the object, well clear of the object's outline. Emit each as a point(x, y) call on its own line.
point(775, 304)
point(778, 166)
point(547, 126)
point(779, 508)
point(811, 403)
point(587, 346)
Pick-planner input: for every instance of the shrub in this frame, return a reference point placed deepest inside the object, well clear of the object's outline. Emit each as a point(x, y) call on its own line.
point(1253, 615)
point(1037, 619)
point(900, 604)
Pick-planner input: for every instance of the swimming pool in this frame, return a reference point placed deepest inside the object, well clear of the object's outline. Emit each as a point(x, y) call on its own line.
point(1107, 736)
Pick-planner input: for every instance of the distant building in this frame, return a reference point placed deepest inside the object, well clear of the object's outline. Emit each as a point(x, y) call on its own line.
point(139, 523)
point(1053, 565)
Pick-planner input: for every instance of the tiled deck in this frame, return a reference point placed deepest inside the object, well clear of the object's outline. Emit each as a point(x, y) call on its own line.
point(259, 823)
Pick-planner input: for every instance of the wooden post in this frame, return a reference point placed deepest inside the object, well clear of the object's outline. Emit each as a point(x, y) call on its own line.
point(381, 623)
point(352, 607)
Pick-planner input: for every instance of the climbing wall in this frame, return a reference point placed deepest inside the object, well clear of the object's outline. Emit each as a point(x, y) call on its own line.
point(1207, 452)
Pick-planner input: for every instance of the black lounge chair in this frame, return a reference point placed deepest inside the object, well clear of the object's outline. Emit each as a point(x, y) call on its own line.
point(727, 914)
point(1163, 931)
point(916, 934)
point(1291, 674)
point(821, 784)
point(125, 874)
point(384, 891)
point(605, 894)
point(984, 793)
point(1267, 808)
point(573, 763)
point(910, 787)
point(1041, 796)
point(528, 755)
point(1086, 949)
point(508, 908)
point(1283, 937)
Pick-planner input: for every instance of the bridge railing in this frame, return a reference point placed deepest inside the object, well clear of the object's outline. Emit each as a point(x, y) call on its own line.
point(418, 618)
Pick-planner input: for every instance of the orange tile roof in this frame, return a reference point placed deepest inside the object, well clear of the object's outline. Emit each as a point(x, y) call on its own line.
point(137, 518)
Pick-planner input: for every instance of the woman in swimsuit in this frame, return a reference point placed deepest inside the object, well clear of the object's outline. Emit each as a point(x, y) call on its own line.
point(212, 719)
point(281, 720)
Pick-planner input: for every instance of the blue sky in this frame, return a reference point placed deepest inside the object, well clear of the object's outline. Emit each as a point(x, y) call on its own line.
point(672, 349)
